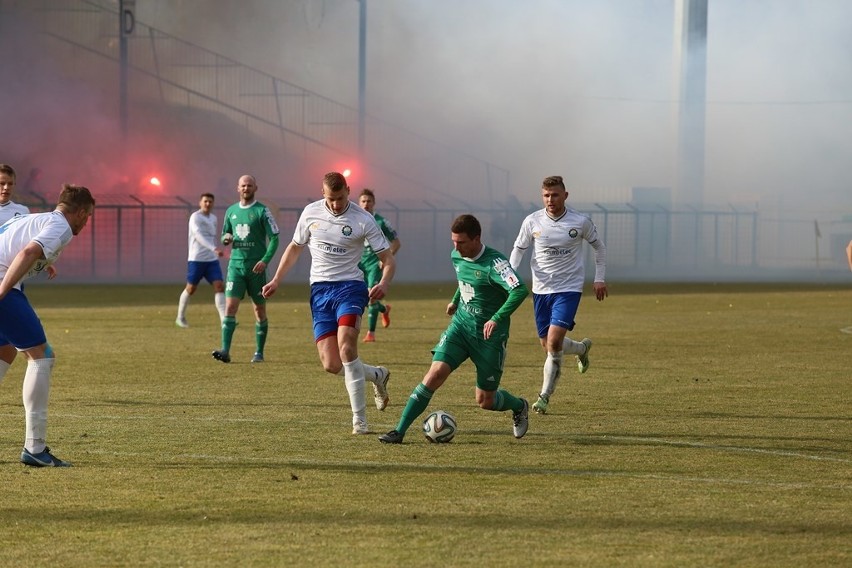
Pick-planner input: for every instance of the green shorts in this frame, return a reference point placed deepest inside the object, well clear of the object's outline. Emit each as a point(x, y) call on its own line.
point(241, 280)
point(372, 274)
point(487, 356)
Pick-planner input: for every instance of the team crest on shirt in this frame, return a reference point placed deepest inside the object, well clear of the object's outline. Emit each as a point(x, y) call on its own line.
point(478, 273)
point(573, 233)
point(347, 230)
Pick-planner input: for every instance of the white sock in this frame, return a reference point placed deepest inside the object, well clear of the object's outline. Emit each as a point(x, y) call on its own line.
point(552, 370)
point(4, 366)
point(182, 304)
point(354, 379)
point(573, 347)
point(371, 373)
point(219, 299)
point(36, 392)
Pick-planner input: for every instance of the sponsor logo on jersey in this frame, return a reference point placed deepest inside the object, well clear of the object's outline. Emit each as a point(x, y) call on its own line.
point(333, 249)
point(555, 251)
point(471, 309)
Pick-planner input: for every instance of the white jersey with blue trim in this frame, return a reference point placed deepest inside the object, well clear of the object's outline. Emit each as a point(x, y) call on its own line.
point(203, 233)
point(557, 261)
point(11, 209)
point(50, 230)
point(337, 241)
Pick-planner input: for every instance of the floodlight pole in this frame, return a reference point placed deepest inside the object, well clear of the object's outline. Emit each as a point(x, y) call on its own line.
point(362, 74)
point(126, 24)
point(691, 60)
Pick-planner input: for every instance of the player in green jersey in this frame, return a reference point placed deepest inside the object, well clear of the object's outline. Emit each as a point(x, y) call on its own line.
point(489, 292)
point(251, 230)
point(371, 266)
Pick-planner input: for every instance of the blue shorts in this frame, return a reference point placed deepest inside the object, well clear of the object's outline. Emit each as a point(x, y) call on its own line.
point(332, 300)
point(196, 270)
point(555, 309)
point(19, 324)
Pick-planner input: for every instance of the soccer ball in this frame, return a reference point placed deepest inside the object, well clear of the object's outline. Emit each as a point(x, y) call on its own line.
point(439, 427)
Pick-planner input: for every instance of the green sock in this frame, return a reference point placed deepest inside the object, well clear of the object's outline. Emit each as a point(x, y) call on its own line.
point(373, 315)
point(260, 329)
point(229, 324)
point(417, 403)
point(504, 400)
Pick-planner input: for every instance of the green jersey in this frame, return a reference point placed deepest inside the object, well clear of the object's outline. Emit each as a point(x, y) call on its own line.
point(255, 232)
point(369, 259)
point(489, 289)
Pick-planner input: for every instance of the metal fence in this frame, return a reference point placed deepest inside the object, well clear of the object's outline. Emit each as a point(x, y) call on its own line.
point(140, 240)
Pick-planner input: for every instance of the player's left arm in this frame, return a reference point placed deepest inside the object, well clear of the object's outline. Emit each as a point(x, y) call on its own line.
point(271, 228)
point(597, 244)
point(394, 246)
point(391, 235)
point(504, 276)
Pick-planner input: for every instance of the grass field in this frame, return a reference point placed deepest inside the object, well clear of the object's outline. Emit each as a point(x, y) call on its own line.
point(714, 428)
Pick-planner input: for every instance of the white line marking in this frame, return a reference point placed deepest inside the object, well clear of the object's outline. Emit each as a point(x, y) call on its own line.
point(784, 453)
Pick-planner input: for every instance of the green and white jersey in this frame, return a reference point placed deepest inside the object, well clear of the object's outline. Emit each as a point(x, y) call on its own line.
point(255, 232)
point(489, 289)
point(369, 259)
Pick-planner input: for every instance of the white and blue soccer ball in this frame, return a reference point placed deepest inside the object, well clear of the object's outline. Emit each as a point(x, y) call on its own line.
point(439, 427)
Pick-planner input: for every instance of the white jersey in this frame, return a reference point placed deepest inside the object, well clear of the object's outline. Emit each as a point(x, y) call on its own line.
point(11, 209)
point(557, 260)
point(202, 237)
point(337, 241)
point(50, 230)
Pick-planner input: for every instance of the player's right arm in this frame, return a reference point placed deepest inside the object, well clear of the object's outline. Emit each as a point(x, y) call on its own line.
point(288, 259)
point(21, 264)
point(227, 230)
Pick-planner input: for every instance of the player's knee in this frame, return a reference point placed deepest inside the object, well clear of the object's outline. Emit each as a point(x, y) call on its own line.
point(333, 368)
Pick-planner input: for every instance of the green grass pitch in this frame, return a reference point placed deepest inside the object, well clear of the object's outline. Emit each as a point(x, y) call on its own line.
point(714, 428)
